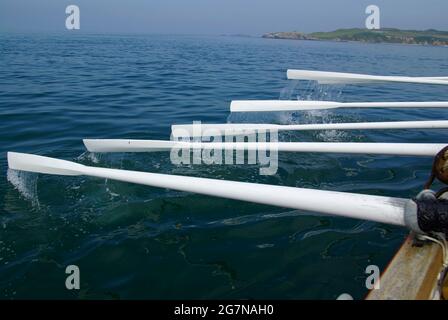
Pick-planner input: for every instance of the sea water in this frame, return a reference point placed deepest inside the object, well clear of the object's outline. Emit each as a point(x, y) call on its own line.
point(133, 241)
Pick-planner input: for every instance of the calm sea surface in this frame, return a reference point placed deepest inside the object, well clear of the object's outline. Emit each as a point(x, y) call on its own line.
point(132, 241)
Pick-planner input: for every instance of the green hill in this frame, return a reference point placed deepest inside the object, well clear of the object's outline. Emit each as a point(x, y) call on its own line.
point(386, 35)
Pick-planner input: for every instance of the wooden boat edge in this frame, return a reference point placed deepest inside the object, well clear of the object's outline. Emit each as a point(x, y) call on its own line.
point(412, 274)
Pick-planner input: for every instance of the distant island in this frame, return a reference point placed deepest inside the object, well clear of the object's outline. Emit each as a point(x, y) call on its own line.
point(386, 35)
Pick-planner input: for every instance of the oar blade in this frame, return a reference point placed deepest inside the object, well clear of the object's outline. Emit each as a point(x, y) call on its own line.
point(125, 145)
point(299, 105)
point(40, 164)
point(325, 77)
point(280, 105)
point(227, 129)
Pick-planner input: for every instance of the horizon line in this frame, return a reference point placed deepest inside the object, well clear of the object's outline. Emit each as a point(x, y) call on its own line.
point(234, 34)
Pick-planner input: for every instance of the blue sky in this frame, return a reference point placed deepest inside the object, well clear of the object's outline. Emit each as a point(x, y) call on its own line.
point(252, 17)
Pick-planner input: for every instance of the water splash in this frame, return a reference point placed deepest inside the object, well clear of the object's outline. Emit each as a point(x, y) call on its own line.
point(332, 135)
point(25, 183)
point(309, 91)
point(296, 90)
point(110, 192)
point(314, 91)
point(288, 92)
point(89, 156)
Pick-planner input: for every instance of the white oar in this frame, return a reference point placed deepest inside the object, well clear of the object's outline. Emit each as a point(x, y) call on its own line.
point(199, 130)
point(325, 77)
point(297, 105)
point(375, 208)
point(398, 149)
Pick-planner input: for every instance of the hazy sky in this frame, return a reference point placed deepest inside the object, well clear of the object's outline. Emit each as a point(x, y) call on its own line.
point(252, 17)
